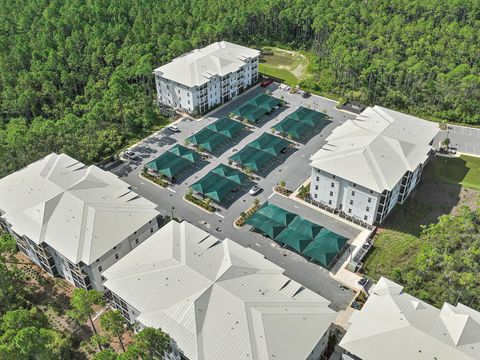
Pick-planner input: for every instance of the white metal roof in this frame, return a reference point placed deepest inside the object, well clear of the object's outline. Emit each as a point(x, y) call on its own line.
point(396, 326)
point(217, 299)
point(376, 148)
point(198, 66)
point(80, 211)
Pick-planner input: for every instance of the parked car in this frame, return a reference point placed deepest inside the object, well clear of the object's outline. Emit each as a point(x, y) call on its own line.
point(174, 128)
point(287, 88)
point(255, 190)
point(266, 82)
point(306, 95)
point(129, 154)
point(363, 282)
point(452, 150)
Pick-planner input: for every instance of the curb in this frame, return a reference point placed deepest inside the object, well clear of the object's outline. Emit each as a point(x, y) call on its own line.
point(188, 201)
point(151, 182)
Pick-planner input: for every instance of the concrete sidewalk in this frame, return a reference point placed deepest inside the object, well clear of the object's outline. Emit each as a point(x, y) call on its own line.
point(339, 271)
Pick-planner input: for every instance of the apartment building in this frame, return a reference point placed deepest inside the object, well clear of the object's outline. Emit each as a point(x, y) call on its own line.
point(73, 220)
point(217, 299)
point(204, 78)
point(397, 326)
point(371, 163)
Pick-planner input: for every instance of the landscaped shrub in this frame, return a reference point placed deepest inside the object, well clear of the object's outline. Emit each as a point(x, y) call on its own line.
point(205, 204)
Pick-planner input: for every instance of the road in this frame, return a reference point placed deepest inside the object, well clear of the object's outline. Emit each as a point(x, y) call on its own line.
point(294, 170)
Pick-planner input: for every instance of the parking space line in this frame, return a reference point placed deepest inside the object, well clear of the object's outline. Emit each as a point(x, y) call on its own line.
point(169, 189)
point(271, 195)
point(223, 217)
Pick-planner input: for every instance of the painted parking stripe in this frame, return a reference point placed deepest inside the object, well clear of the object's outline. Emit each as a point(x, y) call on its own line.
point(223, 217)
point(169, 189)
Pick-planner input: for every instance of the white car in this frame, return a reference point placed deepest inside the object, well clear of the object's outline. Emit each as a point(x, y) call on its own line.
point(173, 128)
point(129, 154)
point(255, 190)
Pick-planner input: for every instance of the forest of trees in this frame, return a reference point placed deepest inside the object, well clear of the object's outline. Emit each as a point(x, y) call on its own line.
point(447, 267)
point(76, 76)
point(30, 310)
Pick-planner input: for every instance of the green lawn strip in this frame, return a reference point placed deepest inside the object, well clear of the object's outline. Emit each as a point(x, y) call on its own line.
point(463, 170)
point(397, 244)
point(281, 74)
point(392, 249)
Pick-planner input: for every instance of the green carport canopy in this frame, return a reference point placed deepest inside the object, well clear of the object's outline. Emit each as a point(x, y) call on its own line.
point(252, 158)
point(304, 227)
point(231, 174)
point(277, 214)
point(270, 143)
point(168, 164)
point(292, 127)
point(226, 127)
point(185, 153)
point(265, 101)
point(325, 247)
point(249, 112)
point(214, 186)
point(265, 225)
point(308, 116)
point(207, 139)
point(293, 239)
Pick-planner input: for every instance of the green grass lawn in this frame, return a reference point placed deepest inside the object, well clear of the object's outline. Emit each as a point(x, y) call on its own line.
point(463, 170)
point(287, 66)
point(398, 241)
point(282, 74)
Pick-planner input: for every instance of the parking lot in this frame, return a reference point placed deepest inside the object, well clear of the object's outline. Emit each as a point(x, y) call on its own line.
point(293, 168)
point(463, 139)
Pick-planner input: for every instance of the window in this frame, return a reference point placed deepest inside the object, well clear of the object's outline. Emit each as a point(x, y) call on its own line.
point(315, 196)
point(316, 187)
point(100, 269)
point(102, 278)
point(114, 248)
point(95, 260)
point(329, 202)
point(318, 178)
point(331, 193)
point(349, 211)
point(136, 241)
point(332, 185)
point(365, 218)
point(368, 209)
point(150, 222)
point(369, 200)
point(354, 185)
point(353, 193)
point(116, 256)
point(351, 202)
point(151, 230)
point(371, 191)
point(178, 91)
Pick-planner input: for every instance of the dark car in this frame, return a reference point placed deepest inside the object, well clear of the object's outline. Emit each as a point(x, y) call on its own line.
point(266, 82)
point(306, 95)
